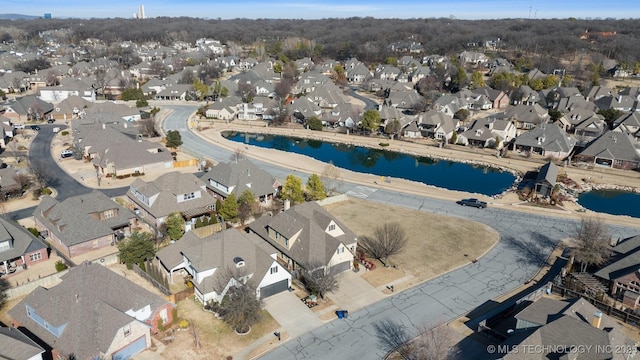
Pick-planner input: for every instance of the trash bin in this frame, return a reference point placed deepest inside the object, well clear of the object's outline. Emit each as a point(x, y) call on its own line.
point(342, 314)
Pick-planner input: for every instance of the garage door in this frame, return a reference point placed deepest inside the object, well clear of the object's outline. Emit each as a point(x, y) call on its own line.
point(130, 350)
point(273, 289)
point(341, 267)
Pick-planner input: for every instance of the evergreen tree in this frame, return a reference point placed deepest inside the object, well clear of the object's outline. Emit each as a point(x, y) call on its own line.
point(315, 188)
point(136, 248)
point(292, 190)
point(229, 209)
point(175, 225)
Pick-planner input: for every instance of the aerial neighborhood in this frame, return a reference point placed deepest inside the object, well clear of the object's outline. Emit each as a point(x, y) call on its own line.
point(134, 227)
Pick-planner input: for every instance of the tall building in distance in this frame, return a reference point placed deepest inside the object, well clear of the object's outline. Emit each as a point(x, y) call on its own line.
point(140, 13)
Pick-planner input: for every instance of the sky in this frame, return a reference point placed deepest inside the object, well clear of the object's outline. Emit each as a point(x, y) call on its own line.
point(318, 9)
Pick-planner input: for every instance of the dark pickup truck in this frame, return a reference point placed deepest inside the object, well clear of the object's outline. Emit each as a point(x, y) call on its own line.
point(473, 202)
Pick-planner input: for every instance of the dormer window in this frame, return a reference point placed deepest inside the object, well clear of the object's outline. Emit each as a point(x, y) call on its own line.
point(238, 261)
point(332, 227)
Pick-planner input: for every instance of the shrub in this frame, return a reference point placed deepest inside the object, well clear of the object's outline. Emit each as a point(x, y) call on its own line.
point(61, 266)
point(46, 191)
point(22, 147)
point(184, 324)
point(34, 231)
point(64, 133)
point(384, 144)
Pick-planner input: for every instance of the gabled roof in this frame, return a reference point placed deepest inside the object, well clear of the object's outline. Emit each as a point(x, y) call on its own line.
point(171, 256)
point(533, 114)
point(77, 219)
point(308, 221)
point(21, 241)
point(89, 305)
point(221, 251)
point(548, 172)
point(549, 137)
point(626, 259)
point(166, 189)
point(613, 145)
point(23, 104)
point(16, 345)
point(240, 176)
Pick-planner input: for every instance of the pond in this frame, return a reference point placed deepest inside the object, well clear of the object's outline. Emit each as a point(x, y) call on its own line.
point(612, 202)
point(441, 173)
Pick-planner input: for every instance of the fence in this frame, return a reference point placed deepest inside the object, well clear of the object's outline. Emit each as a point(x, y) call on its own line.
point(151, 280)
point(333, 200)
point(185, 163)
point(204, 231)
point(25, 289)
point(627, 317)
point(181, 295)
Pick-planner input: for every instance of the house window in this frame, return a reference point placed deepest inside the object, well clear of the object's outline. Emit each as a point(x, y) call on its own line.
point(35, 256)
point(618, 162)
point(340, 250)
point(273, 270)
point(109, 214)
point(127, 330)
point(332, 227)
point(286, 242)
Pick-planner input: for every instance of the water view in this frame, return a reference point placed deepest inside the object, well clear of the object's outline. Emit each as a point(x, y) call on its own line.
point(612, 202)
point(441, 173)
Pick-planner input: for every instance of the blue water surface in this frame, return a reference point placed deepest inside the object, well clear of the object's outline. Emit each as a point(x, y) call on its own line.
point(611, 202)
point(441, 173)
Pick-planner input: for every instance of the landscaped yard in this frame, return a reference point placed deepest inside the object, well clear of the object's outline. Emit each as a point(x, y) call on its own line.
point(437, 243)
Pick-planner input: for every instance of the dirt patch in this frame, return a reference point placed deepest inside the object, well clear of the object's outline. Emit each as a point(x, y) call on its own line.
point(437, 243)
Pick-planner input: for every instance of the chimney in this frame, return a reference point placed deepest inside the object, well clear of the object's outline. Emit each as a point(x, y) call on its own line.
point(597, 319)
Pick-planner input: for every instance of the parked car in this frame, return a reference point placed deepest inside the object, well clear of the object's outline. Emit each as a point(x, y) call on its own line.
point(51, 121)
point(66, 153)
point(473, 202)
point(35, 127)
point(18, 126)
point(56, 129)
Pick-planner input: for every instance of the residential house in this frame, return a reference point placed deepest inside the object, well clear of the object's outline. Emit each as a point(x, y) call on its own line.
point(114, 153)
point(308, 82)
point(526, 117)
point(436, 125)
point(68, 87)
point(170, 192)
point(524, 94)
point(235, 177)
point(546, 180)
point(630, 123)
point(306, 236)
point(585, 124)
point(28, 108)
point(547, 140)
point(73, 107)
point(83, 223)
point(358, 74)
point(221, 109)
point(618, 102)
point(535, 73)
point(303, 109)
point(620, 272)
point(488, 132)
point(19, 247)
point(597, 92)
point(174, 92)
point(96, 314)
point(473, 57)
point(559, 327)
point(343, 115)
point(616, 149)
point(229, 258)
point(449, 104)
point(498, 98)
point(412, 131)
point(14, 344)
point(130, 114)
point(327, 96)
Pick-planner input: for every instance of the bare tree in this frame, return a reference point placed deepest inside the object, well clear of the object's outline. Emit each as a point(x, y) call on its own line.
point(430, 343)
point(331, 178)
point(14, 149)
point(195, 333)
point(238, 155)
point(592, 243)
point(387, 240)
point(41, 172)
point(319, 279)
point(147, 127)
point(240, 308)
point(22, 179)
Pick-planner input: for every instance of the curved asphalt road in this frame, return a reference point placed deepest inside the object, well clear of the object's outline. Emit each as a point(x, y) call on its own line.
point(526, 242)
point(64, 184)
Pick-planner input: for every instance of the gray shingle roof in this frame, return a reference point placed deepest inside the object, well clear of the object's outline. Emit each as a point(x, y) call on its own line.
point(22, 241)
point(549, 137)
point(310, 220)
point(240, 176)
point(613, 145)
point(75, 220)
point(16, 345)
point(91, 301)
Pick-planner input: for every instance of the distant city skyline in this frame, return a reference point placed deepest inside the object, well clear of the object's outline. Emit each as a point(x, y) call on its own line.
point(289, 9)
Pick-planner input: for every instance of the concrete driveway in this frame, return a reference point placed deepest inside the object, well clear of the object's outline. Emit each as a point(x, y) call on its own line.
point(293, 316)
point(354, 292)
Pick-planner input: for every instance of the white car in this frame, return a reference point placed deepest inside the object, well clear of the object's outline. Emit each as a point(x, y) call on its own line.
point(19, 126)
point(66, 153)
point(56, 129)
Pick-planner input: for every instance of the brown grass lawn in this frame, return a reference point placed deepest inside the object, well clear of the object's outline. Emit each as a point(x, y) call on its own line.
point(217, 339)
point(437, 243)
